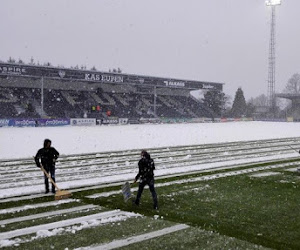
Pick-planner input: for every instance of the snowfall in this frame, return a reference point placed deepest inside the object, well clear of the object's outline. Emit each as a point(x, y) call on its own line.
point(19, 143)
point(16, 143)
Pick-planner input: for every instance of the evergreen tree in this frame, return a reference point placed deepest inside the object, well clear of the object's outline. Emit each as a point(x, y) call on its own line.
point(239, 106)
point(215, 100)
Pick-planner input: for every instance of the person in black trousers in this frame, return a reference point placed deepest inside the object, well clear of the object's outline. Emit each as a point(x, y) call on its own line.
point(146, 176)
point(46, 157)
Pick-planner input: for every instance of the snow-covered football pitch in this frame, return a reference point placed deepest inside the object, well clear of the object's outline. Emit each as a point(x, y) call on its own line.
point(220, 186)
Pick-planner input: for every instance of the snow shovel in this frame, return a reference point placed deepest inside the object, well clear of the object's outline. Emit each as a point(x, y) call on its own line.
point(60, 194)
point(126, 191)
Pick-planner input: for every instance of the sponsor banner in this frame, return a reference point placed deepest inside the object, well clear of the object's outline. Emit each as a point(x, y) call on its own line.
point(174, 83)
point(25, 123)
point(290, 119)
point(106, 121)
point(6, 122)
point(104, 78)
point(83, 121)
point(98, 122)
point(197, 120)
point(15, 69)
point(149, 120)
point(123, 121)
point(133, 121)
point(208, 119)
point(53, 122)
point(12, 70)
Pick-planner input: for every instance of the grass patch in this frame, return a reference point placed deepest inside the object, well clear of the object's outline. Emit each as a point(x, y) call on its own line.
point(50, 219)
point(95, 235)
point(35, 210)
point(263, 211)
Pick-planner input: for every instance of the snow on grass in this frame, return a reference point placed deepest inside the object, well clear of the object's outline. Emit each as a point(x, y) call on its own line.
point(69, 226)
point(265, 174)
point(24, 142)
point(38, 205)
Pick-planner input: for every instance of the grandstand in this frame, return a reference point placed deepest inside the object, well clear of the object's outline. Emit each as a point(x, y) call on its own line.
point(29, 91)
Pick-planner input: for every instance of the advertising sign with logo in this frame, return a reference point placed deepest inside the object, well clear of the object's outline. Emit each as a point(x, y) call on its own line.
point(110, 121)
point(25, 123)
point(174, 83)
point(53, 122)
point(5, 122)
point(123, 121)
point(13, 70)
point(83, 122)
point(104, 78)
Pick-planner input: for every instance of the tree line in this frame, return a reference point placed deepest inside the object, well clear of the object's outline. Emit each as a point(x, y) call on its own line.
point(220, 105)
point(49, 64)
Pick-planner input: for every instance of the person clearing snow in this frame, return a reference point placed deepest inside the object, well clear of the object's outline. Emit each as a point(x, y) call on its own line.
point(146, 176)
point(46, 158)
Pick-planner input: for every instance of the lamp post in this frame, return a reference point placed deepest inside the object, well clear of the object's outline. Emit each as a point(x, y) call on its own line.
point(271, 71)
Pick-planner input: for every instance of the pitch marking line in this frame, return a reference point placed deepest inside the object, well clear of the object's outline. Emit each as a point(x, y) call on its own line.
point(63, 223)
point(43, 215)
point(38, 205)
point(139, 238)
point(202, 178)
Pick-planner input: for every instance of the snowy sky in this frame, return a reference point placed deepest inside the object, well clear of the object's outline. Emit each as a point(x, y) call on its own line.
point(217, 40)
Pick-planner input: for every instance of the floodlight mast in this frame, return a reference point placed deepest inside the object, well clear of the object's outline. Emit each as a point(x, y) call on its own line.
point(273, 2)
point(271, 71)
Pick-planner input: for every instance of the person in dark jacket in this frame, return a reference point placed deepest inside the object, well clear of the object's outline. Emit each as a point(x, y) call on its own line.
point(46, 157)
point(146, 176)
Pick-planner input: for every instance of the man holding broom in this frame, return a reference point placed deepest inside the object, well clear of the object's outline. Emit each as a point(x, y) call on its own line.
point(46, 158)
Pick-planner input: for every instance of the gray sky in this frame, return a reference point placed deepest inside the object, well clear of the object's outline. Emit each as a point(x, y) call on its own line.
point(213, 40)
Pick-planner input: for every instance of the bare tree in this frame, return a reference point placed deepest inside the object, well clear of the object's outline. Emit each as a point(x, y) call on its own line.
point(31, 61)
point(293, 84)
point(11, 60)
point(261, 100)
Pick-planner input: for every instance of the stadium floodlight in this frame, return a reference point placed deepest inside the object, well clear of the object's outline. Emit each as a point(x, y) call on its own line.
point(273, 2)
point(271, 73)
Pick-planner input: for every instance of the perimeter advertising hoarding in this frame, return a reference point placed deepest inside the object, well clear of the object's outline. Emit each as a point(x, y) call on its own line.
point(33, 122)
point(53, 122)
point(24, 123)
point(110, 121)
point(6, 122)
point(83, 122)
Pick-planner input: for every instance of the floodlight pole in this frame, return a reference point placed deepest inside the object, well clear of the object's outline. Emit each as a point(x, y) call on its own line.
point(271, 69)
point(42, 97)
point(155, 96)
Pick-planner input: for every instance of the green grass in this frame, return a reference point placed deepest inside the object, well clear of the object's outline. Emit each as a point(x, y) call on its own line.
point(234, 212)
point(262, 211)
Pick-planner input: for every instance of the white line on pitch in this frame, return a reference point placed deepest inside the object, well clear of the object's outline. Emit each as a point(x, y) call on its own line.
point(43, 215)
point(134, 239)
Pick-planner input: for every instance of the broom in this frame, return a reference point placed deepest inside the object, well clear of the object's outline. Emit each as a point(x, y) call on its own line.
point(60, 194)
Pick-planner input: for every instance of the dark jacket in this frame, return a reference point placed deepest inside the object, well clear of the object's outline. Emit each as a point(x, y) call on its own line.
point(146, 167)
point(48, 157)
